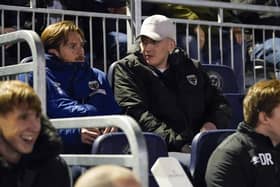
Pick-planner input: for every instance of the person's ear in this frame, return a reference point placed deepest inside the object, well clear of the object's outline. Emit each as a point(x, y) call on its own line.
point(171, 45)
point(54, 52)
point(263, 118)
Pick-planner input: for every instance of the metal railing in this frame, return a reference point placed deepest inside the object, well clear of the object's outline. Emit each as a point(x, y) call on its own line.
point(37, 66)
point(258, 69)
point(137, 160)
point(76, 16)
point(135, 16)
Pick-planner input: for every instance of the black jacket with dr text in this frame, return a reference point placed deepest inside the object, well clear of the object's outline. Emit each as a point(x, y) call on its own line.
point(173, 104)
point(244, 159)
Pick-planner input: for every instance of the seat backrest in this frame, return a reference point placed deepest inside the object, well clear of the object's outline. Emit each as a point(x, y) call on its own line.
point(236, 102)
point(222, 77)
point(116, 143)
point(203, 144)
point(110, 74)
point(26, 60)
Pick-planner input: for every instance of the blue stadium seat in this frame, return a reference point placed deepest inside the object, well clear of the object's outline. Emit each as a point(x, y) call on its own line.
point(110, 74)
point(236, 102)
point(222, 77)
point(116, 143)
point(203, 145)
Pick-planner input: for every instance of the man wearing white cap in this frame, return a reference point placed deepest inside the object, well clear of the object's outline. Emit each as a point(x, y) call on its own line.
point(167, 93)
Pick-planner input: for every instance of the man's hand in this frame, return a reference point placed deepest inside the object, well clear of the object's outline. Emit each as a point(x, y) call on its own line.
point(238, 35)
point(7, 30)
point(186, 149)
point(88, 135)
point(109, 130)
point(208, 126)
point(120, 10)
point(201, 35)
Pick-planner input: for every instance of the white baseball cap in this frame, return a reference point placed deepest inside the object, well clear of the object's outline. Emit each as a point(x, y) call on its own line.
point(158, 27)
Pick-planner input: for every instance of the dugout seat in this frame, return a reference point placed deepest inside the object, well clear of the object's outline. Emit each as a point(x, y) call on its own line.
point(116, 143)
point(110, 74)
point(203, 144)
point(222, 77)
point(236, 102)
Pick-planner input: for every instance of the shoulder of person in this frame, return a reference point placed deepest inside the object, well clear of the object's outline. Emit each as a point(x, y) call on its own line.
point(130, 60)
point(196, 63)
point(180, 56)
point(98, 71)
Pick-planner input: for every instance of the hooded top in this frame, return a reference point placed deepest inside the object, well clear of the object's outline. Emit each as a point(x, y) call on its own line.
point(43, 167)
point(76, 90)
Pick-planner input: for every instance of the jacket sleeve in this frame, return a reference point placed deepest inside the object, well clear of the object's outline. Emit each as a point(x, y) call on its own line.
point(133, 101)
point(227, 169)
point(103, 98)
point(53, 173)
point(60, 105)
point(218, 109)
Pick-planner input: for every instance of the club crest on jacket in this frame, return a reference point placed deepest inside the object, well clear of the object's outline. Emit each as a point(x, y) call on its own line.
point(93, 85)
point(216, 79)
point(192, 79)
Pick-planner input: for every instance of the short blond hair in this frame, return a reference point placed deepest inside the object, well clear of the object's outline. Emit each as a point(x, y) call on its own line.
point(15, 93)
point(263, 96)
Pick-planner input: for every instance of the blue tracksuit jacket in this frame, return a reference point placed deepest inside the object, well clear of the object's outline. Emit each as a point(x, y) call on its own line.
point(75, 90)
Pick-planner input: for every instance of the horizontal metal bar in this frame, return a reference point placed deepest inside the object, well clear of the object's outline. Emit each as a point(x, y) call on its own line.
point(94, 159)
